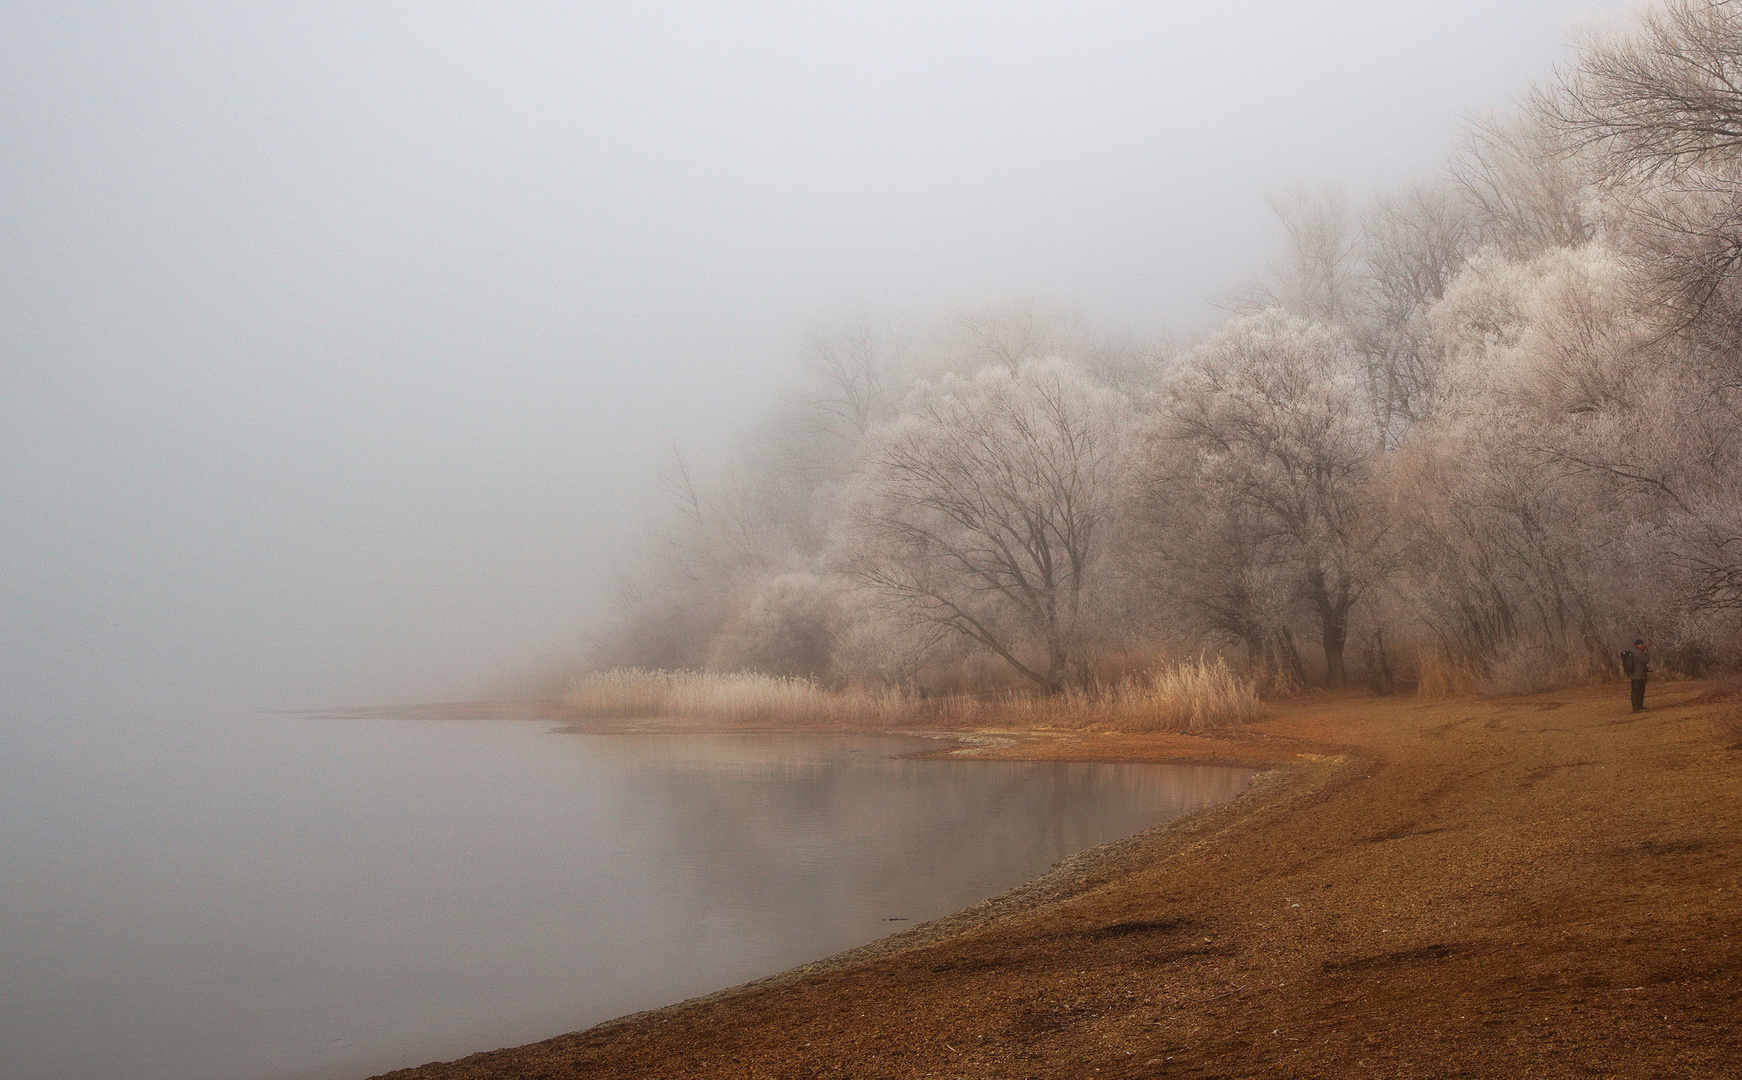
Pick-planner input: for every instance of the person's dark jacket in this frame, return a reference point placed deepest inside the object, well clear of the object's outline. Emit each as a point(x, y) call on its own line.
point(1641, 665)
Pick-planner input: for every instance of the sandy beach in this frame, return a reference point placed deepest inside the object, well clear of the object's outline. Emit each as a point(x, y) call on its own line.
point(1541, 886)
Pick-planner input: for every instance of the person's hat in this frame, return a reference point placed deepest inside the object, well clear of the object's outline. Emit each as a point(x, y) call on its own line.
point(1639, 641)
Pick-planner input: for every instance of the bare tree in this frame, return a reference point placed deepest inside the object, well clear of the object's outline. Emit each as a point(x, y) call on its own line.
point(1525, 183)
point(1208, 568)
point(1507, 553)
point(1687, 243)
point(1413, 243)
point(1009, 333)
point(1315, 276)
point(985, 509)
point(857, 371)
point(1272, 408)
point(1665, 97)
point(1662, 106)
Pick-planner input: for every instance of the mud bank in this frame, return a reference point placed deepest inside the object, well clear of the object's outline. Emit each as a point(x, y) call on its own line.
point(1546, 886)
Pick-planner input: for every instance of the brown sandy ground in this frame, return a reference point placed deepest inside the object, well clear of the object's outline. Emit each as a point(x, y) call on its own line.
point(1543, 886)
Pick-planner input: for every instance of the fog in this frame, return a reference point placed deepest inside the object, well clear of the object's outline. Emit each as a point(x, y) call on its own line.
point(343, 344)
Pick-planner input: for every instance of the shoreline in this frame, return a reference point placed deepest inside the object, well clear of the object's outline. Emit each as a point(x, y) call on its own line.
point(1427, 888)
point(1068, 878)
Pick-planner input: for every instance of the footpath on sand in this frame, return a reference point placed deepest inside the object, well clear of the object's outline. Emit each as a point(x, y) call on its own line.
point(1545, 886)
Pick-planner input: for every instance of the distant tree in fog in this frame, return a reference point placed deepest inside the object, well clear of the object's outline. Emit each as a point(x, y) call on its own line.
point(1315, 276)
point(1413, 243)
point(1009, 333)
point(856, 371)
point(1525, 184)
point(985, 511)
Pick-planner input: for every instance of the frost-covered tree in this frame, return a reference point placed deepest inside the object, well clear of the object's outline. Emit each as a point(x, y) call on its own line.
point(1207, 569)
point(1663, 97)
point(1272, 410)
point(1499, 413)
point(1536, 482)
point(985, 510)
point(1413, 243)
point(1526, 184)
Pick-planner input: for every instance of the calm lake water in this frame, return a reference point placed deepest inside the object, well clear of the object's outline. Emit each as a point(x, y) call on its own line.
point(272, 899)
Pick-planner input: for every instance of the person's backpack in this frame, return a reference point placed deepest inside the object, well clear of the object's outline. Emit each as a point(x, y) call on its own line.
point(1628, 665)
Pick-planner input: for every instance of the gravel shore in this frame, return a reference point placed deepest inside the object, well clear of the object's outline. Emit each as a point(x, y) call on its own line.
point(1545, 886)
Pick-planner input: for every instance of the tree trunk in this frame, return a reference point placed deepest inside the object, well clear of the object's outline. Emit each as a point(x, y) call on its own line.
point(1333, 627)
point(1287, 656)
point(1058, 666)
point(1336, 632)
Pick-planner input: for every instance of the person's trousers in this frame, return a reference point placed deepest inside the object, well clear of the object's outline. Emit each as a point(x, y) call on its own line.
point(1638, 694)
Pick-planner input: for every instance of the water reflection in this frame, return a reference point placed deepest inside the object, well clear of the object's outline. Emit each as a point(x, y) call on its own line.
point(839, 836)
point(283, 900)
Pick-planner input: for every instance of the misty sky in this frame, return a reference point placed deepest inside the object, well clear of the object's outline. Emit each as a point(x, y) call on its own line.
point(340, 344)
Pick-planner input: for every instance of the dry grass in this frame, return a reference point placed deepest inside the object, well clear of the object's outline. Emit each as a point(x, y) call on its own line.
point(1192, 697)
point(1519, 669)
point(722, 698)
point(1442, 676)
point(1195, 696)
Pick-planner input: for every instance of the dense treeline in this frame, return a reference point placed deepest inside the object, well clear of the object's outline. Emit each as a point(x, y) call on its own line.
point(1479, 432)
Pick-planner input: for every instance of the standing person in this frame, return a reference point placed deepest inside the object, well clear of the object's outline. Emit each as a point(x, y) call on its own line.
point(1636, 665)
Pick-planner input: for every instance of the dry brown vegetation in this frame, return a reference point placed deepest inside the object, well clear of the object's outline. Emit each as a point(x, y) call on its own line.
point(1194, 696)
point(735, 699)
